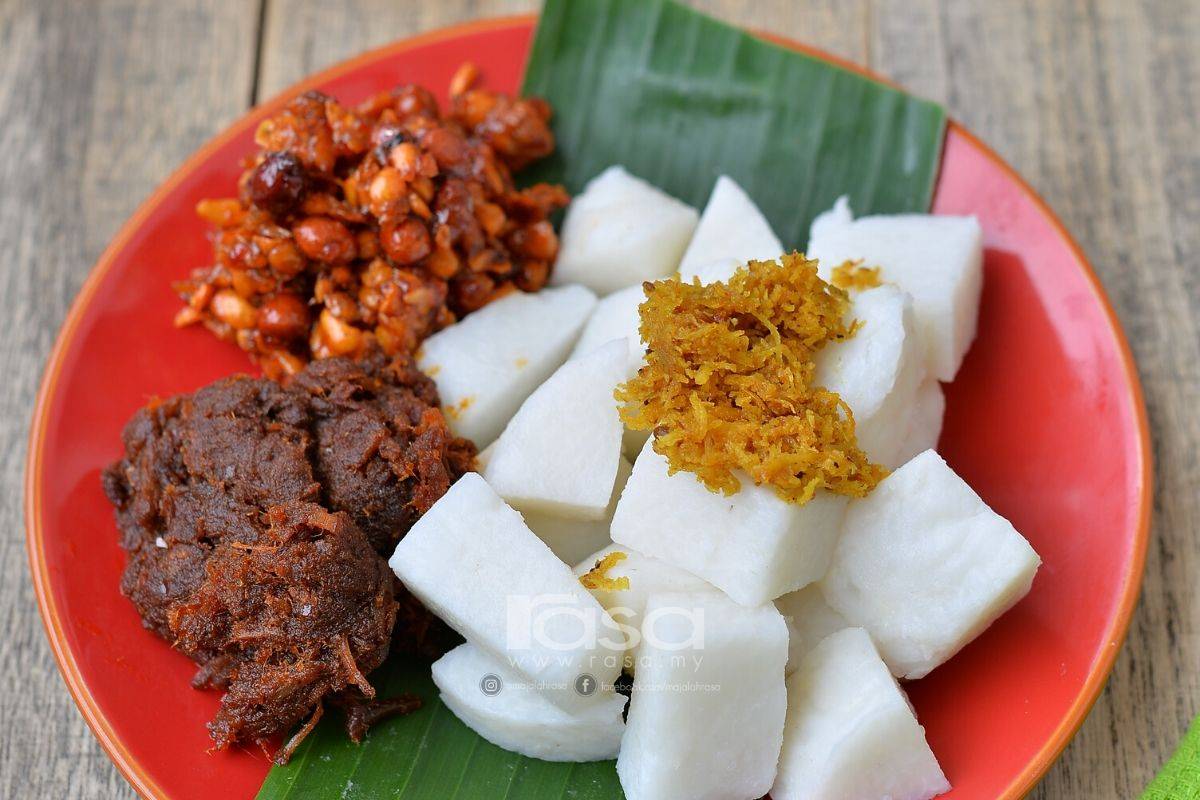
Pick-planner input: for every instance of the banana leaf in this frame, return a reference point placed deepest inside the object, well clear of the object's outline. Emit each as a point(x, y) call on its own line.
point(427, 754)
point(678, 98)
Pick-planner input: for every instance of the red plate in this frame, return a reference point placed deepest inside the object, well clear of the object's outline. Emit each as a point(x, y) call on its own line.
point(1046, 421)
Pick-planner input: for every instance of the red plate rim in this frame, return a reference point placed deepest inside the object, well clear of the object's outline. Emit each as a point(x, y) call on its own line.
point(134, 772)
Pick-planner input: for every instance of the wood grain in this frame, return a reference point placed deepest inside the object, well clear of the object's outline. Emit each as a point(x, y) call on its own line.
point(1095, 102)
point(97, 106)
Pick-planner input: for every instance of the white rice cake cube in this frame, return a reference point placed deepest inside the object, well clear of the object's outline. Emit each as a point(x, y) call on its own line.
point(925, 421)
point(877, 371)
point(925, 566)
point(752, 545)
point(731, 227)
point(938, 260)
point(472, 561)
point(720, 740)
point(809, 619)
point(647, 576)
point(489, 362)
point(573, 539)
point(504, 708)
point(850, 731)
point(620, 231)
point(615, 317)
point(559, 454)
point(717, 271)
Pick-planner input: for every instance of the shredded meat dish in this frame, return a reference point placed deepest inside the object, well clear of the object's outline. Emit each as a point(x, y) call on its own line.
point(256, 519)
point(368, 228)
point(257, 514)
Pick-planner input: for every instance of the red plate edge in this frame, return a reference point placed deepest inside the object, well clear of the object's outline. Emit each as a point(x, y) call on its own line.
point(134, 772)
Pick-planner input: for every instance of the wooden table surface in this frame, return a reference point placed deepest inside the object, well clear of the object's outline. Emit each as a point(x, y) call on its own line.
point(1096, 103)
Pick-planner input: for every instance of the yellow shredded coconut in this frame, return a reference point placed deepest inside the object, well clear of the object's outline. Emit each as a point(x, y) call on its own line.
point(596, 578)
point(853, 275)
point(727, 387)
